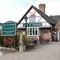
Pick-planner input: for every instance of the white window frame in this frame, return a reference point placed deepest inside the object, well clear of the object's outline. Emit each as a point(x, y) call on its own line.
point(28, 32)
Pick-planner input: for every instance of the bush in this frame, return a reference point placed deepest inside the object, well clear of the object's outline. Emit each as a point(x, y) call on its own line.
point(9, 41)
point(1, 41)
point(26, 40)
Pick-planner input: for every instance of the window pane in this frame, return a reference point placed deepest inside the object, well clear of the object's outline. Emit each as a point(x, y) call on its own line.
point(32, 18)
point(36, 31)
point(30, 31)
point(33, 31)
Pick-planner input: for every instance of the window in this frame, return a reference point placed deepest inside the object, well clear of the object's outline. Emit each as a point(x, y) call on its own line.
point(35, 31)
point(45, 31)
point(32, 31)
point(32, 18)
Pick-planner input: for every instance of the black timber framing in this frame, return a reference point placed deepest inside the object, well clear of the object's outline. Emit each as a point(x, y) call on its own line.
point(46, 17)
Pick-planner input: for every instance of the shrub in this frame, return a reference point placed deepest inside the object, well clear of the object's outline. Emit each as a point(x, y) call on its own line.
point(9, 41)
point(26, 40)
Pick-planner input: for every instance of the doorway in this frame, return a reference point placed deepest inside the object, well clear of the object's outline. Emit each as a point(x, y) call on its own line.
point(59, 35)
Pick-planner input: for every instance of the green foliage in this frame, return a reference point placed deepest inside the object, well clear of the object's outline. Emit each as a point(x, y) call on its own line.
point(26, 39)
point(1, 41)
point(0, 33)
point(18, 35)
point(9, 41)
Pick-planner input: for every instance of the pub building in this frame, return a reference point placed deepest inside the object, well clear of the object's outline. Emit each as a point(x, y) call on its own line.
point(36, 24)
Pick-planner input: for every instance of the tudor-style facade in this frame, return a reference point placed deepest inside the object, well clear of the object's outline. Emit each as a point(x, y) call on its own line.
point(38, 24)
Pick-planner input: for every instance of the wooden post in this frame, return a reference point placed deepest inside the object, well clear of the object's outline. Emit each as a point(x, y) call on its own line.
point(21, 49)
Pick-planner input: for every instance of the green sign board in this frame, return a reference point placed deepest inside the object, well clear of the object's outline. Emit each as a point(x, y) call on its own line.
point(9, 29)
point(32, 24)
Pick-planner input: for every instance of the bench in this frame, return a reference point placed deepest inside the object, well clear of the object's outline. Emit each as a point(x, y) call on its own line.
point(30, 46)
point(46, 40)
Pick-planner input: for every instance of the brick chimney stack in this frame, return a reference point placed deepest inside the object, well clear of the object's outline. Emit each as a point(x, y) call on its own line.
point(42, 7)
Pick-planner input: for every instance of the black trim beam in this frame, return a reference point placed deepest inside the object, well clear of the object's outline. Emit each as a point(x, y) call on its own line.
point(24, 15)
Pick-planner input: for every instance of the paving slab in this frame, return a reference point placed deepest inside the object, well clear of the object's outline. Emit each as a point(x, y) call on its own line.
point(49, 51)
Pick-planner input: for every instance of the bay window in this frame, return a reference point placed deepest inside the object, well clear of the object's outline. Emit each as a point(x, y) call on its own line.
point(32, 31)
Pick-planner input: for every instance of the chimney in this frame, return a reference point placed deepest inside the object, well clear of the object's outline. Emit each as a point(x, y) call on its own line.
point(42, 7)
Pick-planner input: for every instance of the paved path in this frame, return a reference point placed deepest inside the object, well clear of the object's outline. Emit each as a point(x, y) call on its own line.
point(49, 51)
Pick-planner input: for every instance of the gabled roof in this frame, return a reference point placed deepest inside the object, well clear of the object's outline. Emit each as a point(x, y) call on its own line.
point(56, 17)
point(47, 18)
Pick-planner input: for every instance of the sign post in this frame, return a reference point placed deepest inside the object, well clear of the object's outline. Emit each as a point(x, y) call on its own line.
point(21, 48)
point(9, 29)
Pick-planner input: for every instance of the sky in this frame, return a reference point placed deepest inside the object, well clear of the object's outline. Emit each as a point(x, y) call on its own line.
point(15, 9)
